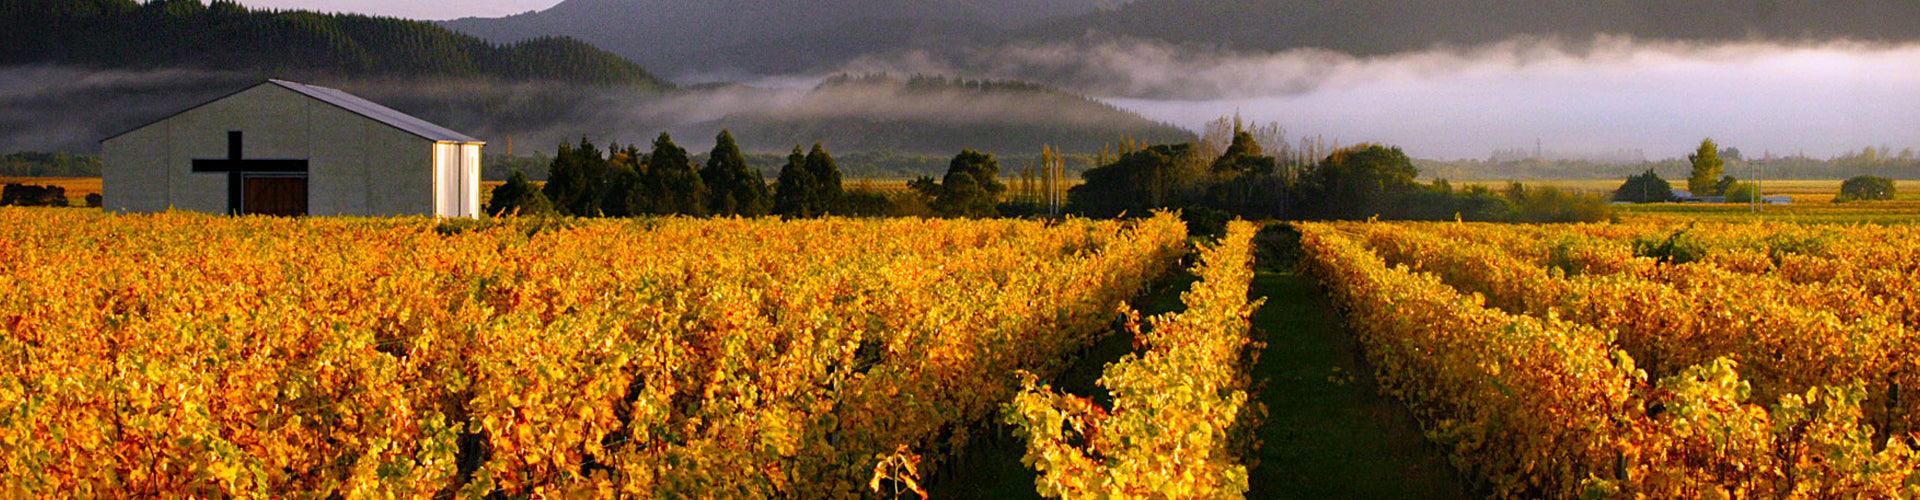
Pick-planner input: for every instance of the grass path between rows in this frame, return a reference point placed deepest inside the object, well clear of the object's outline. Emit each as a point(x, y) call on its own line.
point(1329, 434)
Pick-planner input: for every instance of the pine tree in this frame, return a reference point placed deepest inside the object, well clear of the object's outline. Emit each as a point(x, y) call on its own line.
point(625, 195)
point(576, 179)
point(673, 186)
point(828, 197)
point(734, 189)
point(1706, 169)
point(793, 192)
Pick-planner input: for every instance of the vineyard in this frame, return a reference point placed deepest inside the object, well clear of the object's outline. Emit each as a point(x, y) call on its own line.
point(1181, 420)
point(1651, 360)
point(190, 355)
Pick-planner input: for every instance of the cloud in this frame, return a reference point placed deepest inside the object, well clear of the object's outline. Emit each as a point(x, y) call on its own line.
point(50, 108)
point(1601, 94)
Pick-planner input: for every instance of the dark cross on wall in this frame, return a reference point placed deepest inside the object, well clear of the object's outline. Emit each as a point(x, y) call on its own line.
point(237, 167)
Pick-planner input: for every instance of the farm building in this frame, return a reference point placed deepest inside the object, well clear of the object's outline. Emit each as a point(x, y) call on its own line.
point(285, 148)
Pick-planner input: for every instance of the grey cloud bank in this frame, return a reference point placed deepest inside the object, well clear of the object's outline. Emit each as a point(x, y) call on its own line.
point(1604, 94)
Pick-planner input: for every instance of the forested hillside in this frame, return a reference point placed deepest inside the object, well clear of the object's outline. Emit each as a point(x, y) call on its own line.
point(1386, 27)
point(707, 36)
point(227, 36)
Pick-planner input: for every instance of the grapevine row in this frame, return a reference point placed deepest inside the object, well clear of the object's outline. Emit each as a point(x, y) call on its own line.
point(1670, 317)
point(1543, 407)
point(181, 354)
point(1178, 408)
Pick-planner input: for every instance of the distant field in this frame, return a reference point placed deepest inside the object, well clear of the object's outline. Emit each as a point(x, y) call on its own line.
point(1813, 189)
point(1812, 203)
point(1805, 210)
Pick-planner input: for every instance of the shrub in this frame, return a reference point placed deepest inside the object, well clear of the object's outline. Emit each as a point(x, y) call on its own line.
point(1743, 192)
point(1644, 188)
point(22, 195)
point(1677, 248)
point(1865, 187)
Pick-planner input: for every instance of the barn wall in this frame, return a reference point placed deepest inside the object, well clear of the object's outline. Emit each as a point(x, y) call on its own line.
point(337, 176)
point(134, 177)
point(272, 120)
point(402, 174)
point(356, 165)
point(364, 167)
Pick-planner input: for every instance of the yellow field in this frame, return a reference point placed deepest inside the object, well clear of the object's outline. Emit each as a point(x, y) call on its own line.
point(184, 354)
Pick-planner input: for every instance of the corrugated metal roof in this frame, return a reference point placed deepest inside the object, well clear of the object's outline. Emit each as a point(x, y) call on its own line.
point(352, 103)
point(378, 113)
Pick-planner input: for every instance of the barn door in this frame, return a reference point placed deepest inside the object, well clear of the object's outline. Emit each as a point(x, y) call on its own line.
point(275, 195)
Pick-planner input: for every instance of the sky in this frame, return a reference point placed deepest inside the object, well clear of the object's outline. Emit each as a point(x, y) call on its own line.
point(410, 9)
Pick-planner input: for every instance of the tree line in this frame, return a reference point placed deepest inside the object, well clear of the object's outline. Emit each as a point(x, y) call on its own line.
point(1707, 178)
point(39, 164)
point(1879, 161)
point(585, 181)
point(1241, 179)
point(1358, 182)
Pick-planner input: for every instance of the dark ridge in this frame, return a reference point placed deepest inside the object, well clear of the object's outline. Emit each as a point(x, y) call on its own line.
point(226, 36)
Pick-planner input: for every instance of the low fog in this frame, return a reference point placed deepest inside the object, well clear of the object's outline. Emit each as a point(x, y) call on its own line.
point(1598, 95)
point(71, 109)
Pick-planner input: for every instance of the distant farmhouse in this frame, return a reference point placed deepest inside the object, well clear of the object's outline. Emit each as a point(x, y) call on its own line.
point(285, 148)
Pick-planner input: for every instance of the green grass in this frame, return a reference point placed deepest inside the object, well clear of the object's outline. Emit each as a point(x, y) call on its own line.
point(1329, 434)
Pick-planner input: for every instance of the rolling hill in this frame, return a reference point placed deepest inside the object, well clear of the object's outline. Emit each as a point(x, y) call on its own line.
point(701, 37)
point(225, 36)
point(708, 40)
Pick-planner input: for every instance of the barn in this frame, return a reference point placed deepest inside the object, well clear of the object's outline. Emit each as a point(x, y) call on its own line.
point(286, 148)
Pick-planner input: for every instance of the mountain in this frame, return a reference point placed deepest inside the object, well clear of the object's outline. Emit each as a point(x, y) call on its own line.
point(1373, 27)
point(717, 39)
point(75, 71)
point(699, 37)
point(226, 36)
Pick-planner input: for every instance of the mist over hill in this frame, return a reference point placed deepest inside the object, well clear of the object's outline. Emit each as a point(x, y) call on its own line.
point(692, 40)
point(77, 71)
point(62, 108)
point(1380, 27)
point(715, 39)
point(939, 116)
